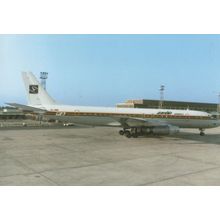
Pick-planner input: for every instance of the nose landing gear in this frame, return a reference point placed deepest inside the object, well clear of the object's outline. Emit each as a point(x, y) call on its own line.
point(202, 133)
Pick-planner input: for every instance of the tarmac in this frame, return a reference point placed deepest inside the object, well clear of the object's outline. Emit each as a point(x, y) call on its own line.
point(78, 156)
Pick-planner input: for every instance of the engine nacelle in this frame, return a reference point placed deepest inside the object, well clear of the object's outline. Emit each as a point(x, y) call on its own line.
point(165, 130)
point(161, 130)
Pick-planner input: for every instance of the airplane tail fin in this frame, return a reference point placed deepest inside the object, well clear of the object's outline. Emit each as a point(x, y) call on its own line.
point(36, 94)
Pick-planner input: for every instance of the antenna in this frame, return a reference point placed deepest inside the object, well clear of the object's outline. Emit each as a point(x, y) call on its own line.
point(43, 77)
point(162, 88)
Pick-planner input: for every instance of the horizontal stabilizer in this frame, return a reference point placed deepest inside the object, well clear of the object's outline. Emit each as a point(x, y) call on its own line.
point(27, 108)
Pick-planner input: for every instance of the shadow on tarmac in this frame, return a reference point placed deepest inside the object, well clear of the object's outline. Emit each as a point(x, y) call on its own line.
point(208, 138)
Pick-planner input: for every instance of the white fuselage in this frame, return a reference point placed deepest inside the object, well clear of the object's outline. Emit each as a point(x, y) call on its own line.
point(108, 116)
point(128, 118)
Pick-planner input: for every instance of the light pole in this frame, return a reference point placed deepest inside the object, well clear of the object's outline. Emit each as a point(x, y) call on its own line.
point(162, 88)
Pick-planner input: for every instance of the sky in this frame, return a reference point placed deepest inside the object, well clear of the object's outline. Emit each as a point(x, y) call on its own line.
point(103, 70)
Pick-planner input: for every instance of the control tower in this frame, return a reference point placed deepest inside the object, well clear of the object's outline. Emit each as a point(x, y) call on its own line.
point(43, 77)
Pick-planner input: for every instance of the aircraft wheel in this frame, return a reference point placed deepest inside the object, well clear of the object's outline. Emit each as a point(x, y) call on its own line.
point(202, 133)
point(121, 132)
point(134, 135)
point(128, 134)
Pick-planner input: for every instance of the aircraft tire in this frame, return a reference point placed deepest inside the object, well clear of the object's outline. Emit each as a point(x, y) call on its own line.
point(121, 132)
point(202, 134)
point(128, 134)
point(134, 135)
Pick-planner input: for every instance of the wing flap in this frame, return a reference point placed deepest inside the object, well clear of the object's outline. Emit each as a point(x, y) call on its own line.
point(141, 122)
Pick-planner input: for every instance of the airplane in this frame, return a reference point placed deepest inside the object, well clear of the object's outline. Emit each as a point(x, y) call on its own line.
point(133, 122)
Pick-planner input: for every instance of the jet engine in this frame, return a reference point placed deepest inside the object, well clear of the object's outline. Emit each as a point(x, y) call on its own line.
point(161, 130)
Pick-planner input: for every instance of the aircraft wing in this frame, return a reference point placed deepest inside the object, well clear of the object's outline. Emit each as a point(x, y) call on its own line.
point(141, 122)
point(27, 108)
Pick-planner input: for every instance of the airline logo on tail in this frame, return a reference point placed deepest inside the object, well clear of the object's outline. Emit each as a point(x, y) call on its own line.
point(33, 89)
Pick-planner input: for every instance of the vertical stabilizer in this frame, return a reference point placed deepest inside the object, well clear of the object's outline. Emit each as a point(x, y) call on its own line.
point(36, 94)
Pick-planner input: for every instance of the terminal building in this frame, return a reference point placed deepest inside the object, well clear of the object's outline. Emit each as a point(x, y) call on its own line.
point(147, 103)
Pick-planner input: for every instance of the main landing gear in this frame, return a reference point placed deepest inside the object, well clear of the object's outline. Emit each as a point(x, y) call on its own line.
point(129, 133)
point(202, 133)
